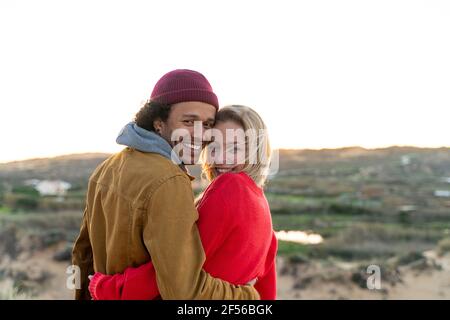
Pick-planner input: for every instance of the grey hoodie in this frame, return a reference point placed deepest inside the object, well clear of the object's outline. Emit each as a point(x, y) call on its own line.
point(143, 140)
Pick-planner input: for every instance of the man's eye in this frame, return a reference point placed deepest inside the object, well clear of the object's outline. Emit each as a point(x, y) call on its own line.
point(189, 122)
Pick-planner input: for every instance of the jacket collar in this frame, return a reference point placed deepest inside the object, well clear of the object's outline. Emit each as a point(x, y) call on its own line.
point(183, 167)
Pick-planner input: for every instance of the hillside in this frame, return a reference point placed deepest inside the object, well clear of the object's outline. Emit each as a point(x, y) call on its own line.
point(389, 207)
point(75, 168)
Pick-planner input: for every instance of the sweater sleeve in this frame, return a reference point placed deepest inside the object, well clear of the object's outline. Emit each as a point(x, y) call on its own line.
point(267, 284)
point(134, 284)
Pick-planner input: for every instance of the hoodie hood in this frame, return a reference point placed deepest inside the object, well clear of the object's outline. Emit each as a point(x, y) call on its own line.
point(143, 140)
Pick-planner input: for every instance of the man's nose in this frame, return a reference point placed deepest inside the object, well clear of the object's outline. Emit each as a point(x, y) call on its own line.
point(207, 136)
point(198, 131)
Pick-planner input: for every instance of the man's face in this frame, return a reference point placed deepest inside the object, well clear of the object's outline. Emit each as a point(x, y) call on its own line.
point(178, 130)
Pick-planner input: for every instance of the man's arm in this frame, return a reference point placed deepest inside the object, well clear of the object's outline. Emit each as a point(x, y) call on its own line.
point(82, 257)
point(171, 236)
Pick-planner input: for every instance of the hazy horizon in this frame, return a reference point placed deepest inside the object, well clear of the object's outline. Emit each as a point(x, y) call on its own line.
point(315, 149)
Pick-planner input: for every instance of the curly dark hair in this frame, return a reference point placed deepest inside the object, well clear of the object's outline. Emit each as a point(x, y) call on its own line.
point(150, 112)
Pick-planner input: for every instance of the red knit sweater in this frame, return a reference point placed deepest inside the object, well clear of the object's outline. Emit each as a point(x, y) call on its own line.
point(235, 226)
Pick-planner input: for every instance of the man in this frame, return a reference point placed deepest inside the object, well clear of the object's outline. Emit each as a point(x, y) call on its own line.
point(140, 204)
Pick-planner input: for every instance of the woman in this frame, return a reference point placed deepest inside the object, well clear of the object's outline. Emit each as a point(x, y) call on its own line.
point(234, 222)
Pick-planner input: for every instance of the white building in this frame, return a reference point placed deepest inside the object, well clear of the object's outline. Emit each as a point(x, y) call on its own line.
point(32, 182)
point(442, 193)
point(51, 187)
point(406, 160)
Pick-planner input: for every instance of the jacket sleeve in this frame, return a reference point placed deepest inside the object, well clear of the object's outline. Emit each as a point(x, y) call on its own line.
point(171, 236)
point(82, 258)
point(267, 284)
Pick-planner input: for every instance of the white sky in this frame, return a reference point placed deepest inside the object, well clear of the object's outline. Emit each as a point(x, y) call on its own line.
point(321, 73)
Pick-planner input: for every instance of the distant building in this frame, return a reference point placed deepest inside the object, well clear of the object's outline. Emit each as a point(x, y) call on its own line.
point(447, 179)
point(50, 187)
point(442, 193)
point(299, 237)
point(32, 182)
point(407, 208)
point(406, 160)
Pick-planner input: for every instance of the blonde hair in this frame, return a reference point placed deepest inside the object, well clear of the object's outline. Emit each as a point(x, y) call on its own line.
point(257, 159)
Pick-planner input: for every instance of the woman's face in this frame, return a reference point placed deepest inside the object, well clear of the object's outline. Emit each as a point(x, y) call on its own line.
point(228, 155)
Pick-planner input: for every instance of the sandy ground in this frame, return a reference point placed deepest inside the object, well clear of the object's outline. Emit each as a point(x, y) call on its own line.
point(430, 283)
point(55, 288)
point(52, 287)
point(435, 285)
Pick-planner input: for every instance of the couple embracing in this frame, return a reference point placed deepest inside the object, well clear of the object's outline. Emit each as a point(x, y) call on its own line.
point(145, 236)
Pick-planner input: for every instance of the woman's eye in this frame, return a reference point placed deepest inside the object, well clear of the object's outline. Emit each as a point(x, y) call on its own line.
point(233, 148)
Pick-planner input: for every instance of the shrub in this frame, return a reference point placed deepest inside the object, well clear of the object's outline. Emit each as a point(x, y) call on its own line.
point(26, 203)
point(338, 208)
point(26, 190)
point(19, 202)
point(64, 254)
point(9, 292)
point(298, 258)
point(410, 257)
point(443, 246)
point(291, 248)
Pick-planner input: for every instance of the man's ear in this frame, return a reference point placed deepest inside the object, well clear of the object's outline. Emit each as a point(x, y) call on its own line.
point(157, 124)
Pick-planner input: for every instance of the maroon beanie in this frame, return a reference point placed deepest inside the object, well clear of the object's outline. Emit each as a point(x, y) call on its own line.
point(184, 85)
